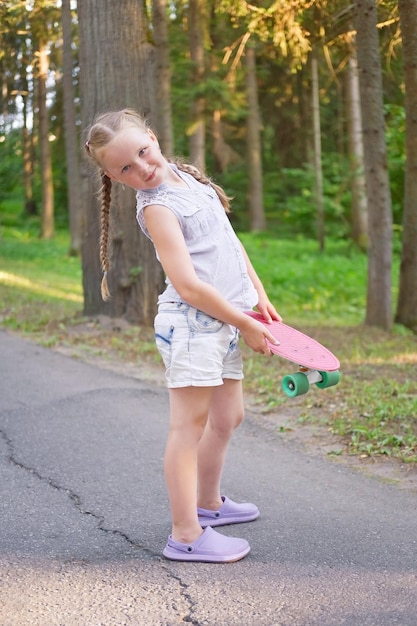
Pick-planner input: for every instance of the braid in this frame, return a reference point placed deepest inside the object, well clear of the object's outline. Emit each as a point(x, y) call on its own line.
point(104, 234)
point(205, 180)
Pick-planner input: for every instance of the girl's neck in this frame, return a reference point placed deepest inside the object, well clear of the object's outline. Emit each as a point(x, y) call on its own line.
point(174, 179)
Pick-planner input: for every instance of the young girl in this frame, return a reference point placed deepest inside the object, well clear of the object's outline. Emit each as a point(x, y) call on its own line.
point(210, 283)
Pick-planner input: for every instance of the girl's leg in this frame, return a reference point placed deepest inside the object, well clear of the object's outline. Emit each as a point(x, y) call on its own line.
point(225, 414)
point(189, 409)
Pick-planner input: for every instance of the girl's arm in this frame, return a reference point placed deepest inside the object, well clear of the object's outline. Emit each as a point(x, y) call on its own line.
point(172, 251)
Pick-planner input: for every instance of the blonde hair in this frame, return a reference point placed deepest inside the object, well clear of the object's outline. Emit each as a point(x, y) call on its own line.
point(105, 127)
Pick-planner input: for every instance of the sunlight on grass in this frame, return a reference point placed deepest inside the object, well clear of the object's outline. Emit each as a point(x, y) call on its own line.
point(36, 287)
point(402, 359)
point(406, 356)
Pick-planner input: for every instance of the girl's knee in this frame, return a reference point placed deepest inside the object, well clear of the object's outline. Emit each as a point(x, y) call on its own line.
point(239, 419)
point(225, 424)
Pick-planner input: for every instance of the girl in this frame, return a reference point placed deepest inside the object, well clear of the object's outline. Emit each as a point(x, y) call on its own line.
point(210, 283)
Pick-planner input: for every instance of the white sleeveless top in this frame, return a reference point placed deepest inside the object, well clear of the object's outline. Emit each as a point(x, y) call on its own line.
point(210, 239)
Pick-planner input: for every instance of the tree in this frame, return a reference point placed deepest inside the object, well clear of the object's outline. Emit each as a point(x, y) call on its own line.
point(407, 297)
point(116, 72)
point(71, 138)
point(197, 130)
point(359, 218)
point(317, 147)
point(163, 111)
point(253, 143)
point(43, 21)
point(30, 206)
point(47, 222)
point(379, 298)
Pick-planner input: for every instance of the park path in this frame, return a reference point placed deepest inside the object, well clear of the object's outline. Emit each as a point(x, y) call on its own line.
point(84, 516)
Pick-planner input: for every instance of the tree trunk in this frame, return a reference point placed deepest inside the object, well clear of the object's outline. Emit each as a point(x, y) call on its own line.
point(407, 296)
point(222, 151)
point(197, 131)
point(359, 219)
point(30, 207)
point(47, 219)
point(30, 204)
point(253, 143)
point(379, 297)
point(116, 72)
point(163, 110)
point(318, 171)
point(71, 143)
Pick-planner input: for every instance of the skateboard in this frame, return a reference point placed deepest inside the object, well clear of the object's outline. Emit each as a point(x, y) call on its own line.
point(317, 365)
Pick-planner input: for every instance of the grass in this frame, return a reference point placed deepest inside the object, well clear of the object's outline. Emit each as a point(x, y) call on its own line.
point(373, 410)
point(308, 286)
point(388, 428)
point(41, 284)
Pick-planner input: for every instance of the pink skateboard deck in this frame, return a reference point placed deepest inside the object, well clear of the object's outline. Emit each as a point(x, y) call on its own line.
point(314, 360)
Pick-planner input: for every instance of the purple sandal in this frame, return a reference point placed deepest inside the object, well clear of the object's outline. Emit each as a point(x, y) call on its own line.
point(210, 547)
point(229, 513)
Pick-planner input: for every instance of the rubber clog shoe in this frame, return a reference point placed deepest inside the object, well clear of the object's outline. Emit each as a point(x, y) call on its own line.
point(229, 513)
point(210, 547)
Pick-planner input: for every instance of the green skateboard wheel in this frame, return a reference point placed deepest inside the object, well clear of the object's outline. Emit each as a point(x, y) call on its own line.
point(329, 379)
point(295, 385)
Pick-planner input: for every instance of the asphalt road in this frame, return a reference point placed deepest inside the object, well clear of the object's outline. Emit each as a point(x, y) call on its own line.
point(84, 516)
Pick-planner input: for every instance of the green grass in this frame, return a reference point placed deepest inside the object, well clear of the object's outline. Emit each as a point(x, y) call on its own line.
point(373, 410)
point(308, 286)
point(39, 282)
point(381, 419)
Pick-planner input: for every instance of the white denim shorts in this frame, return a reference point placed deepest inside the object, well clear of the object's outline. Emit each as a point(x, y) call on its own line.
point(197, 350)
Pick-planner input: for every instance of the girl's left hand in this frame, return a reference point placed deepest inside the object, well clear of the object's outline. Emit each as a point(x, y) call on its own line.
point(268, 311)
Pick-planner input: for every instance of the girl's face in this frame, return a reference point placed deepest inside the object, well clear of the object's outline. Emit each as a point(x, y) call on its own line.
point(133, 158)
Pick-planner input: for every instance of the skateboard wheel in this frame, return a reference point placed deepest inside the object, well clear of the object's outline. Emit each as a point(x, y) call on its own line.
point(329, 379)
point(295, 385)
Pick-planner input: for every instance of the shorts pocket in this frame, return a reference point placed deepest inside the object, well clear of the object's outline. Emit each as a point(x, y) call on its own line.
point(202, 323)
point(163, 340)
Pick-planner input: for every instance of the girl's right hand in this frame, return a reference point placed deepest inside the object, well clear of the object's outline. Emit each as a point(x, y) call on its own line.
point(255, 334)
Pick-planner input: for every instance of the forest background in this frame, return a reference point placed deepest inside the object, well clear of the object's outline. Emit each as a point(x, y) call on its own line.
point(304, 111)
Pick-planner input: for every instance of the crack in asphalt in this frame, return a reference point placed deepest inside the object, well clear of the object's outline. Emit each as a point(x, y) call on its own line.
point(74, 497)
point(191, 604)
point(77, 502)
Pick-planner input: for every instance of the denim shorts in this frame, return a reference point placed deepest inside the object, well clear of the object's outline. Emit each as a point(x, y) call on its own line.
point(197, 350)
